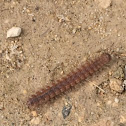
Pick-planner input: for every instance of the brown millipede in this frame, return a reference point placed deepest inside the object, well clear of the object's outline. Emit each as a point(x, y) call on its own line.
point(70, 80)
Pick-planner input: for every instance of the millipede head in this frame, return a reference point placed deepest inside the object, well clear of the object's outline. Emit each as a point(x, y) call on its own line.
point(106, 57)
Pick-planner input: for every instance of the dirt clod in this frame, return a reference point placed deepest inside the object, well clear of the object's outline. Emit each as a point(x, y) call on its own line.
point(116, 85)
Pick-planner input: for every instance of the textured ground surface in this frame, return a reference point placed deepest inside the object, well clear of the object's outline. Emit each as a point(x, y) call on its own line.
point(57, 36)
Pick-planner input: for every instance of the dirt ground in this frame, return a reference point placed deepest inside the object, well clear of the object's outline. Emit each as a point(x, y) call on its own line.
point(58, 36)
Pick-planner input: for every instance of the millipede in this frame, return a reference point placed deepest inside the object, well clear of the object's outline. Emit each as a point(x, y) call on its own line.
point(64, 84)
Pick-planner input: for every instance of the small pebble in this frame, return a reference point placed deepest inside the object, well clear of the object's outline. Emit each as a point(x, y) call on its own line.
point(27, 10)
point(104, 3)
point(35, 121)
point(118, 73)
point(109, 102)
point(116, 85)
point(116, 100)
point(74, 31)
point(110, 73)
point(98, 104)
point(13, 32)
point(34, 113)
point(115, 104)
point(66, 110)
point(92, 113)
point(122, 119)
point(24, 92)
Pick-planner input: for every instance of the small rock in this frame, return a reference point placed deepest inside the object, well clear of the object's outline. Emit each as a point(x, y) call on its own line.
point(34, 113)
point(109, 102)
point(92, 113)
point(13, 32)
point(74, 31)
point(122, 119)
point(115, 105)
point(118, 73)
point(66, 110)
point(116, 85)
point(24, 92)
point(35, 121)
point(116, 100)
point(104, 3)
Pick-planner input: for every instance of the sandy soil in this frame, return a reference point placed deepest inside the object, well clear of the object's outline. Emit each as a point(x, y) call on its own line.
point(58, 36)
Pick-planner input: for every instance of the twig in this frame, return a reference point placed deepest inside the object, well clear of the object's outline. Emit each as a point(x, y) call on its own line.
point(99, 88)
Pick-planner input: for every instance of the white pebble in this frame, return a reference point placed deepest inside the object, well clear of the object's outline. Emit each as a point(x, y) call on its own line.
point(116, 100)
point(14, 32)
point(74, 31)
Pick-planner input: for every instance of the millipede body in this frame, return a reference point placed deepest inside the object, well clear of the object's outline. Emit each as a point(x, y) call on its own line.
point(82, 73)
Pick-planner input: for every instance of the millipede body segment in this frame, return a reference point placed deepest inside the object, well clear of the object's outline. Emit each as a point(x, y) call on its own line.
point(70, 80)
